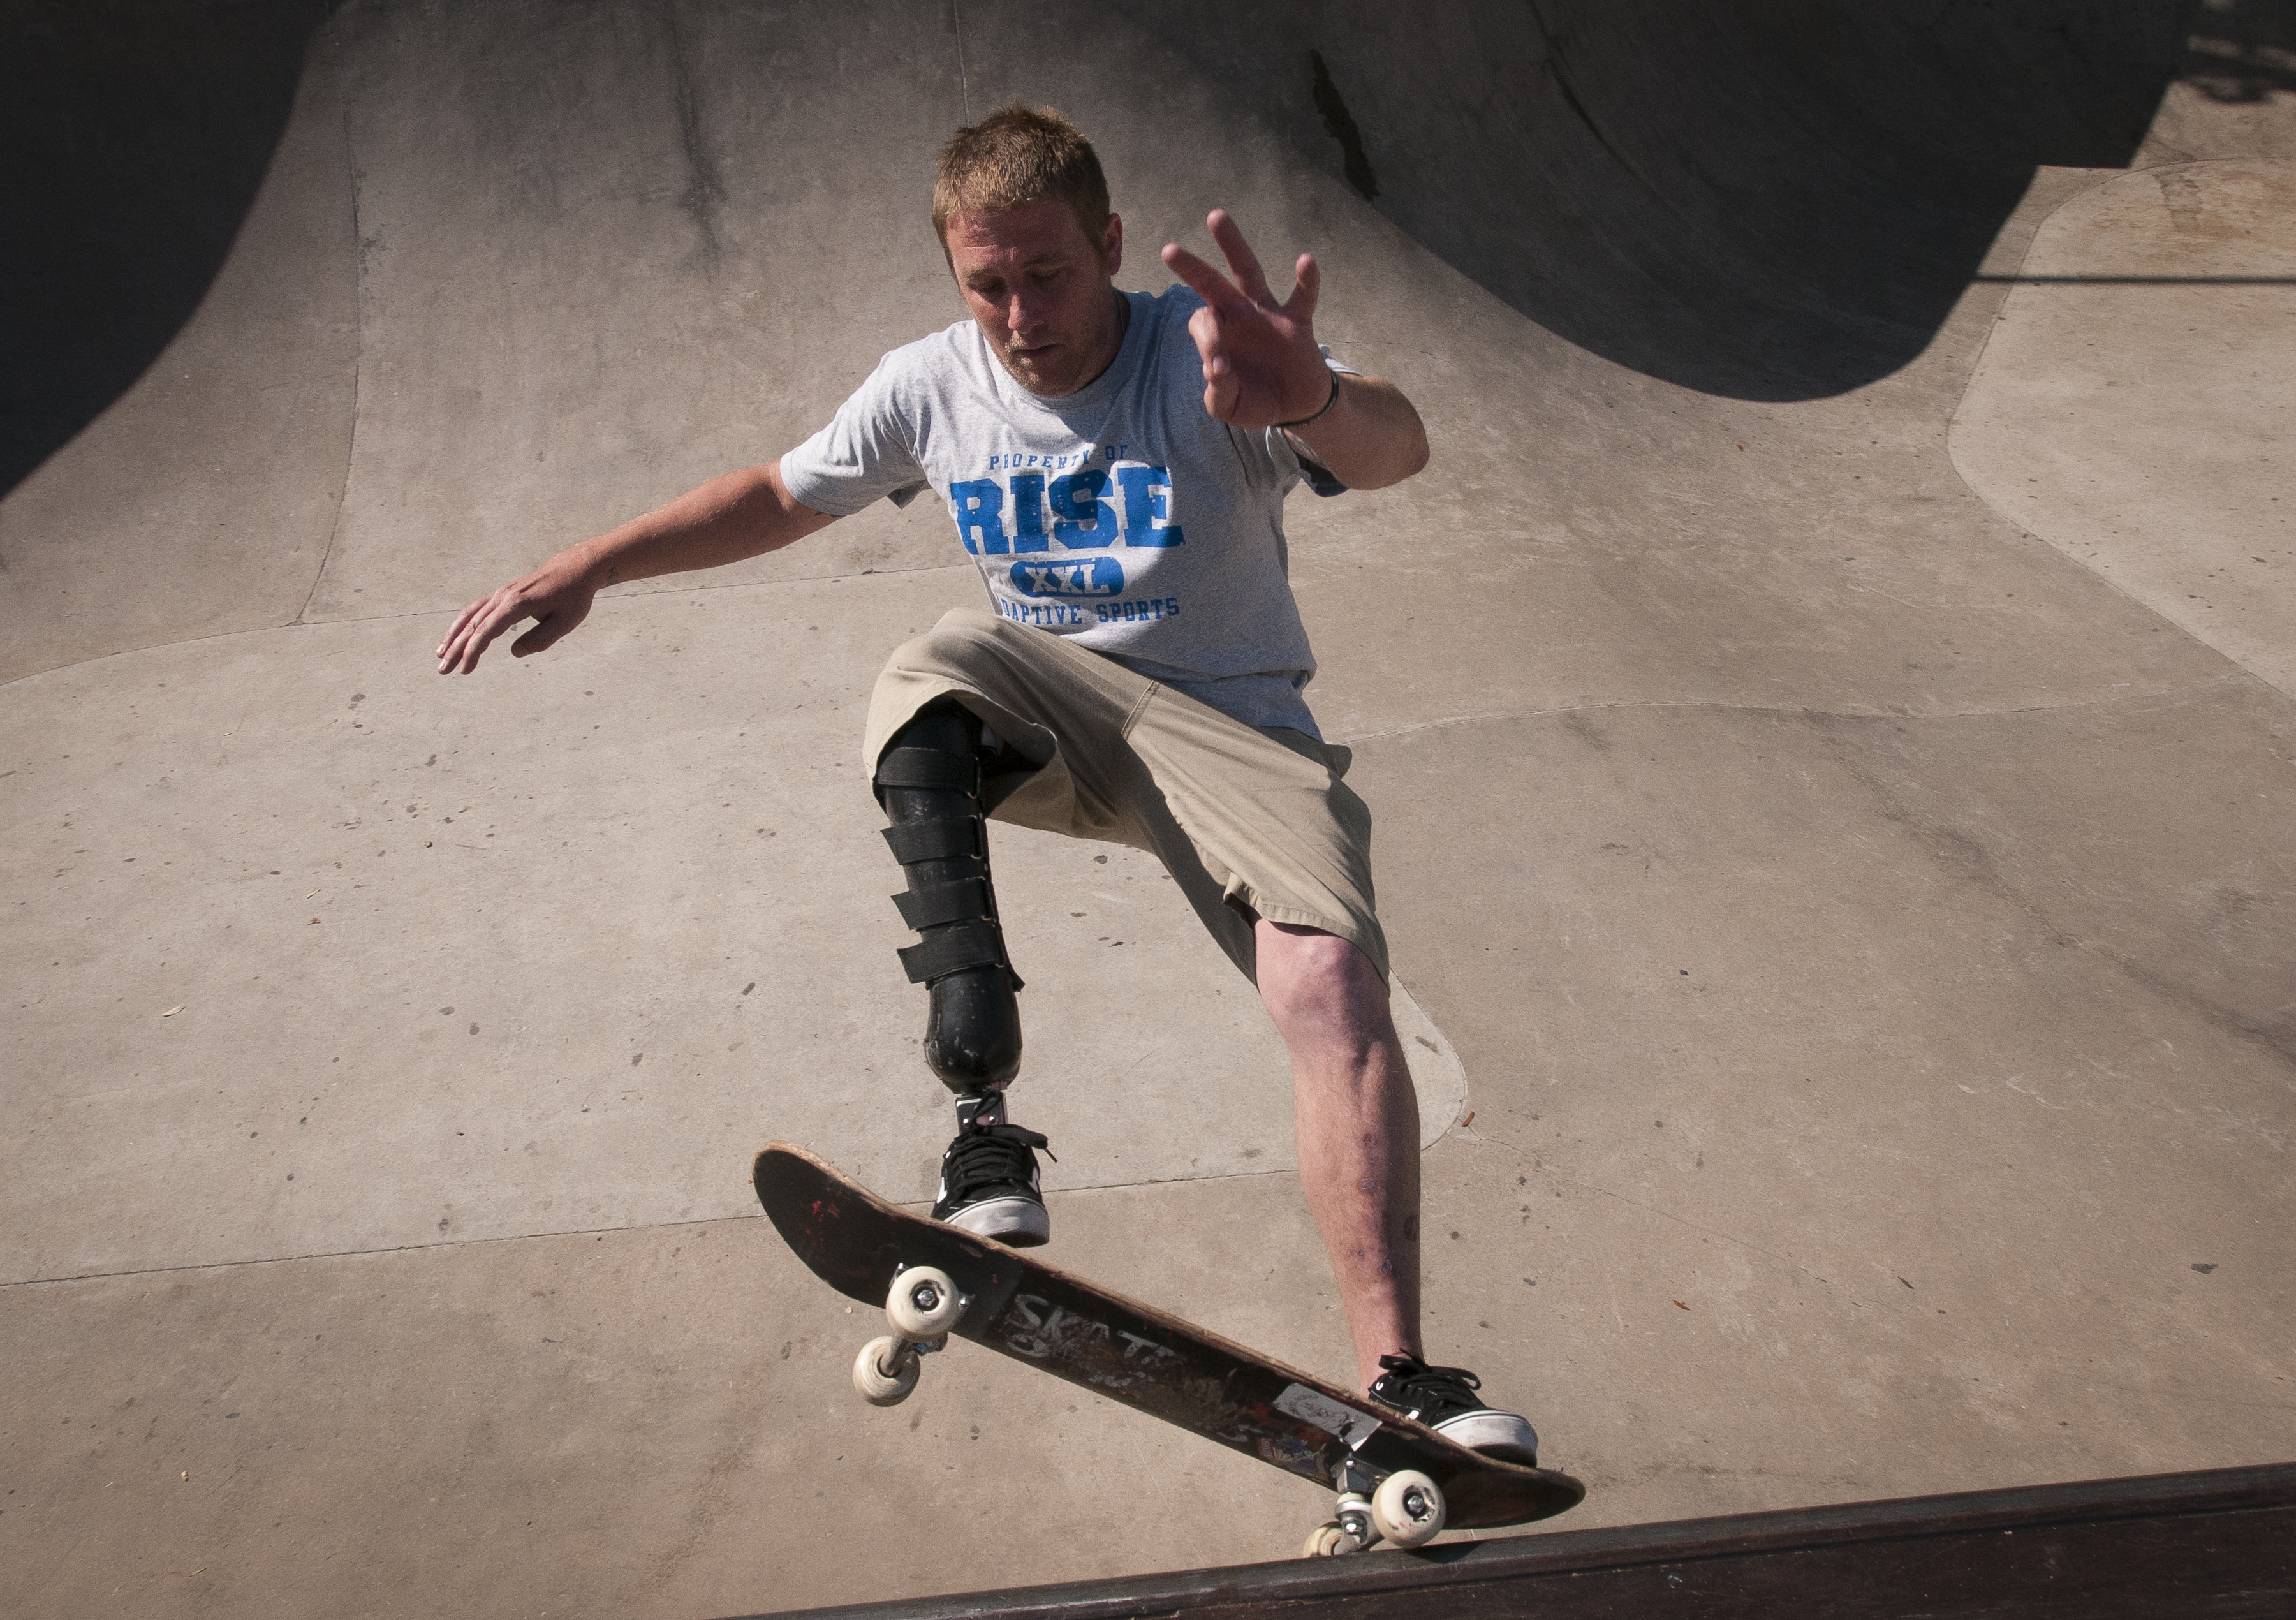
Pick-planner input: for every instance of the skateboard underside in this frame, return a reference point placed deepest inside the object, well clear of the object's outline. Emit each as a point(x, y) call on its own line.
point(1131, 1353)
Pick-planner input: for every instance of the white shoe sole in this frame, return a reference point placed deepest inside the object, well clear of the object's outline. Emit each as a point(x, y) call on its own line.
point(1022, 1222)
point(1501, 1434)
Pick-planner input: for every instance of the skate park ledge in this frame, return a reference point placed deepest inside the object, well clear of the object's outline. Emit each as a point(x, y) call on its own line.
point(2219, 1542)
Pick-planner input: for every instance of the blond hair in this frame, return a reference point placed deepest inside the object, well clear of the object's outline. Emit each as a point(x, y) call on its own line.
point(1017, 155)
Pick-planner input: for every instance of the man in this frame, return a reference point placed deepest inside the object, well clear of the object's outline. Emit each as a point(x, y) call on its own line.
point(1116, 464)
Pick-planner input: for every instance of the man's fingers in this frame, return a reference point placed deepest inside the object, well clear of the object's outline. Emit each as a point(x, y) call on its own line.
point(499, 612)
point(450, 650)
point(1220, 373)
point(1219, 395)
point(1250, 283)
point(1239, 257)
point(1306, 280)
point(461, 619)
point(1208, 283)
point(1212, 343)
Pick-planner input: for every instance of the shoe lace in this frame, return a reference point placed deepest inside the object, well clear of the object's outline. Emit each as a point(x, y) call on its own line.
point(1411, 1384)
point(989, 1154)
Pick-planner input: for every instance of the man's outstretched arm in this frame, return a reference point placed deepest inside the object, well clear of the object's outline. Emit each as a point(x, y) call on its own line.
point(1262, 368)
point(732, 516)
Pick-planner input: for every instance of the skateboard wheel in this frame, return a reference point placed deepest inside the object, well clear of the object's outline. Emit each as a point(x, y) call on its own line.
point(924, 1304)
point(1407, 1508)
point(878, 1385)
point(1329, 1541)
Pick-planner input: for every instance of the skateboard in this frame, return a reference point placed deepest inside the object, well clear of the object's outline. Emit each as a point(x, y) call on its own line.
point(1396, 1480)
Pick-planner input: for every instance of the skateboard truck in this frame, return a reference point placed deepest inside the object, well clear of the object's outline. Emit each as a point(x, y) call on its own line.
point(922, 1306)
point(1404, 1509)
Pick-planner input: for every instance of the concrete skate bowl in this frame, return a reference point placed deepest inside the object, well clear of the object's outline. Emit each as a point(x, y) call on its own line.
point(1765, 202)
point(1850, 895)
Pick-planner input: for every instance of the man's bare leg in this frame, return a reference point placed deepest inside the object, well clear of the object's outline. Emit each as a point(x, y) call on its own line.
point(1358, 1123)
point(1359, 1129)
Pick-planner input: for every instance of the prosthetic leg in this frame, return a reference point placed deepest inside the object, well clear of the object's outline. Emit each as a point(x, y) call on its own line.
point(928, 780)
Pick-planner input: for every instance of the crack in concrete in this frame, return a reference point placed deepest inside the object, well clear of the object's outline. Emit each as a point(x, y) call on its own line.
point(358, 354)
point(1554, 63)
point(967, 569)
point(1797, 711)
point(703, 190)
point(964, 82)
point(359, 1254)
point(570, 1231)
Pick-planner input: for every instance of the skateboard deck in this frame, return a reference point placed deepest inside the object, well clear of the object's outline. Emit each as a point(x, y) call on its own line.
point(1134, 1354)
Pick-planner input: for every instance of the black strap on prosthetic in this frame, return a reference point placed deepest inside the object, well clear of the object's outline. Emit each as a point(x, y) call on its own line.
point(957, 902)
point(914, 841)
point(962, 909)
point(976, 944)
point(930, 768)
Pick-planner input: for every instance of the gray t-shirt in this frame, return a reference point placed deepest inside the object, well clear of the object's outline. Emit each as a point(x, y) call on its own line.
point(1122, 514)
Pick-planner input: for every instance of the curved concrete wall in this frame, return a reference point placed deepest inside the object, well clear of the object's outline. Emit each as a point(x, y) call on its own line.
point(424, 324)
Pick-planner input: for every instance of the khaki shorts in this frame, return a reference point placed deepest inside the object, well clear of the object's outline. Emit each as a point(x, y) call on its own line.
point(1248, 821)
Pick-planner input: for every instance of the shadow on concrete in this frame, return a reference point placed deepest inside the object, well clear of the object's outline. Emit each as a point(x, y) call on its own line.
point(1779, 202)
point(2242, 51)
point(137, 132)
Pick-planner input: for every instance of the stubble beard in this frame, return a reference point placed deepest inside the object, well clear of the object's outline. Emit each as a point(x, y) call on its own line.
point(1026, 373)
point(1045, 387)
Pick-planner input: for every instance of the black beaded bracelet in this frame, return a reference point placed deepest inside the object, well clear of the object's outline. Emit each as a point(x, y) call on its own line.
point(1319, 416)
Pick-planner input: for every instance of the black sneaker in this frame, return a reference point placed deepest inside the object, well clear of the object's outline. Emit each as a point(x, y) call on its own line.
point(988, 1183)
point(1444, 1399)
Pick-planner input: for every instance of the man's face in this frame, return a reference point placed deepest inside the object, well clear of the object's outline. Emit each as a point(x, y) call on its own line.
point(1039, 288)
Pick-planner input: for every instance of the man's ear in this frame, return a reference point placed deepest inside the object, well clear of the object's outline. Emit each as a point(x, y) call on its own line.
point(1111, 245)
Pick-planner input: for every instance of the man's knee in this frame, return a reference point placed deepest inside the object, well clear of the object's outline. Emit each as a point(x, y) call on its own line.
point(952, 648)
point(1312, 980)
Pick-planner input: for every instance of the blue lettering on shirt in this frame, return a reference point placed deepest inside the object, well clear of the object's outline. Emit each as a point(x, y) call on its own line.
point(980, 506)
point(1081, 516)
point(1081, 519)
point(1134, 612)
point(1029, 513)
point(1147, 505)
point(1098, 576)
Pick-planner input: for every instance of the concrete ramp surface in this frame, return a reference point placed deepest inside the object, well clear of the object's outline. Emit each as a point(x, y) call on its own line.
point(1829, 708)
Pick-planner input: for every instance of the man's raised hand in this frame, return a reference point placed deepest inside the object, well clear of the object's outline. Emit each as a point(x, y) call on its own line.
point(1261, 365)
point(556, 596)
